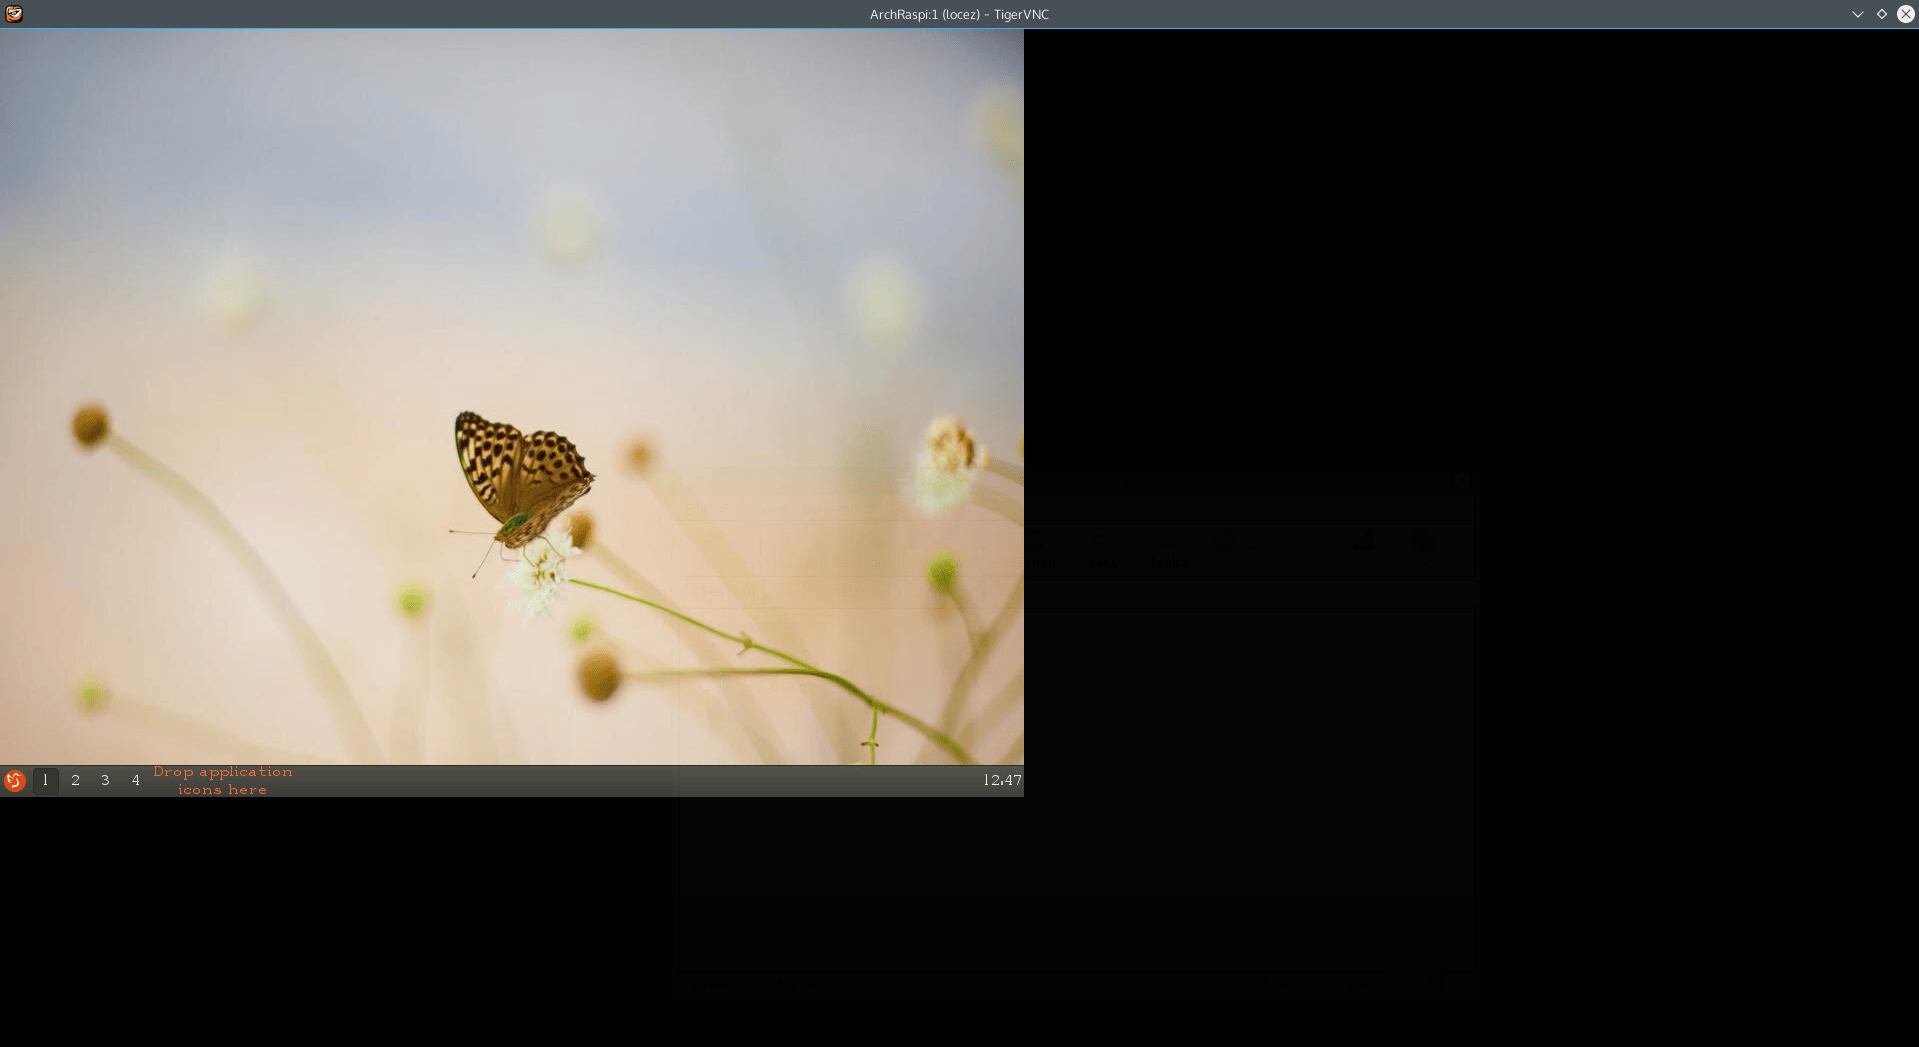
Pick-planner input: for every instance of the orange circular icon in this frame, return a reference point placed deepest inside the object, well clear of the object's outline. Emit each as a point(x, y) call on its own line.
point(16, 781)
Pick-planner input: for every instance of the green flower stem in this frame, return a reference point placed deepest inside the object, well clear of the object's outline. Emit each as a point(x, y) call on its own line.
point(733, 571)
point(873, 739)
point(745, 708)
point(878, 706)
point(746, 644)
point(1007, 469)
point(201, 733)
point(966, 618)
point(742, 640)
point(408, 744)
point(352, 721)
point(956, 697)
point(1001, 504)
point(724, 721)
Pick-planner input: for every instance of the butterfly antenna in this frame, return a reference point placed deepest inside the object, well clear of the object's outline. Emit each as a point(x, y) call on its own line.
point(483, 556)
point(452, 531)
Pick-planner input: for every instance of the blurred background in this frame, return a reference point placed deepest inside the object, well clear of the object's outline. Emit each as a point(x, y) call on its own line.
point(284, 261)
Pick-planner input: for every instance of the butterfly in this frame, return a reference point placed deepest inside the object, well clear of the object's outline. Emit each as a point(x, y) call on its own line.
point(524, 481)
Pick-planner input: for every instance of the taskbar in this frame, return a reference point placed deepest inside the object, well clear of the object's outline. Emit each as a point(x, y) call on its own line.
point(264, 780)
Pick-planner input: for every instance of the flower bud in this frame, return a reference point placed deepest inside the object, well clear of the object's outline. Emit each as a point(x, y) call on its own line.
point(412, 600)
point(599, 676)
point(92, 694)
point(90, 425)
point(941, 570)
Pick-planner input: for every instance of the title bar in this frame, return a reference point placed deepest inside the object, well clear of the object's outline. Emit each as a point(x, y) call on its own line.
point(1078, 14)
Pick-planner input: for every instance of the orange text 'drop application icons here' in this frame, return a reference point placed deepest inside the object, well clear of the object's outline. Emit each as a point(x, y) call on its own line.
point(14, 14)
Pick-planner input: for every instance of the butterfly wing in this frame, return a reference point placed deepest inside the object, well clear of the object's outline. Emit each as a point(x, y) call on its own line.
point(549, 475)
point(488, 453)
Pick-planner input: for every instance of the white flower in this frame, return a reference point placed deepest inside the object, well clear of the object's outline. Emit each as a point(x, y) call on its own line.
point(948, 466)
point(540, 574)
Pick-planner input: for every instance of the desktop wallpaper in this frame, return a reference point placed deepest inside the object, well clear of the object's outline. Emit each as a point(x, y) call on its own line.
point(768, 285)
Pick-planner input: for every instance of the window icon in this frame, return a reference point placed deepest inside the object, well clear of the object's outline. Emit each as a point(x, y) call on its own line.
point(15, 13)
